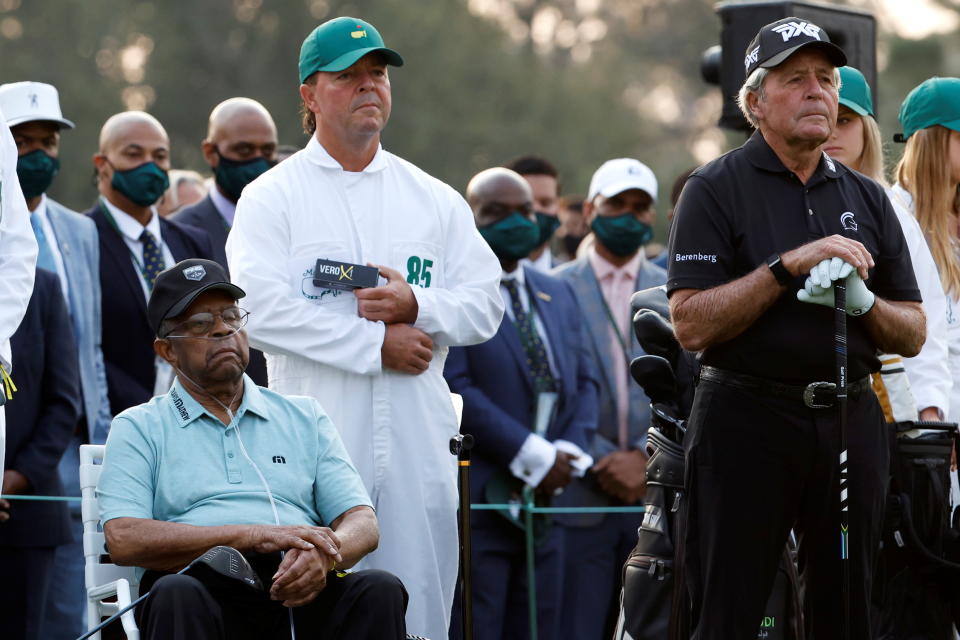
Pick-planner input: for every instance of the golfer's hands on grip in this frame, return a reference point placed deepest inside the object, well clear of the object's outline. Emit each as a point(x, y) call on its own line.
point(818, 287)
point(804, 258)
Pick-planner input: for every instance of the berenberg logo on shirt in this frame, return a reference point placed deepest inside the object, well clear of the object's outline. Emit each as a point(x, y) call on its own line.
point(178, 403)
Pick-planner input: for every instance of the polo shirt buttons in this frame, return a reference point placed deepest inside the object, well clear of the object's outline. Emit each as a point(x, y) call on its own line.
point(230, 454)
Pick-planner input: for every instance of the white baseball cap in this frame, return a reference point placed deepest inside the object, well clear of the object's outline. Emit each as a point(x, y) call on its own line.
point(622, 174)
point(31, 101)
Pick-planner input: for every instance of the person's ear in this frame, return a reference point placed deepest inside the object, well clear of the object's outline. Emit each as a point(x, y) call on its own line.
point(588, 211)
point(210, 154)
point(164, 348)
point(100, 166)
point(754, 105)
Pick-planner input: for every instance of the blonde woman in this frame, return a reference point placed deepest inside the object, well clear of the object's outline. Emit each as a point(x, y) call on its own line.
point(927, 181)
point(856, 143)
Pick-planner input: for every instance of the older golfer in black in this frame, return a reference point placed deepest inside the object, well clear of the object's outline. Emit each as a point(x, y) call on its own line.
point(760, 236)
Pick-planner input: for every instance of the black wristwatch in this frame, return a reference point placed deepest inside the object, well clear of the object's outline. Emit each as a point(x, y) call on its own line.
point(779, 271)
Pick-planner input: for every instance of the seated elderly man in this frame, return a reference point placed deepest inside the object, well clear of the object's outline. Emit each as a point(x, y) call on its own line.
point(220, 461)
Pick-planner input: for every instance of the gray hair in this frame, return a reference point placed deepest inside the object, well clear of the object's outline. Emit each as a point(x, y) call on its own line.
point(754, 84)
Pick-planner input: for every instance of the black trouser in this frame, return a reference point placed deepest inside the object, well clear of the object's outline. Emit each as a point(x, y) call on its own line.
point(758, 466)
point(23, 590)
point(208, 606)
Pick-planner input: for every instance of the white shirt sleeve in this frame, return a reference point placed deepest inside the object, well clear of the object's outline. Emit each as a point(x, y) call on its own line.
point(534, 460)
point(928, 371)
point(281, 322)
point(469, 308)
point(18, 246)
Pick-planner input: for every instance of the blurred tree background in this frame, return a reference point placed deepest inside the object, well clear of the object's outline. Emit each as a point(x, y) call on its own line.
point(578, 81)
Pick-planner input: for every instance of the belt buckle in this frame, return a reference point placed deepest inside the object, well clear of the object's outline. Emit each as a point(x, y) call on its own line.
point(809, 394)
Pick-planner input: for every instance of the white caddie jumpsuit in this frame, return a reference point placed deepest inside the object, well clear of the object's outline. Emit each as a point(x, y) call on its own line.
point(395, 426)
point(18, 257)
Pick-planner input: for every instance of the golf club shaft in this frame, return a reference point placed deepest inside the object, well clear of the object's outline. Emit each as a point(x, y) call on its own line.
point(840, 346)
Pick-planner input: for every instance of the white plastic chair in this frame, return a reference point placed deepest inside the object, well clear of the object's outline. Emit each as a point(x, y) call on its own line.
point(102, 578)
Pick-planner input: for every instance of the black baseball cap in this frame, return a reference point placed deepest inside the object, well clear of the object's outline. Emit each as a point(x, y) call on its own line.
point(779, 40)
point(177, 287)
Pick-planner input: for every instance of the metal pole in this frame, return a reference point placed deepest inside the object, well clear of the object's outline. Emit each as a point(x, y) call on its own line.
point(840, 345)
point(460, 446)
point(528, 505)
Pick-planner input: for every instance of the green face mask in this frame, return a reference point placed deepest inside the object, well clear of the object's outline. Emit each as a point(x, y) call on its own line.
point(143, 185)
point(622, 235)
point(232, 176)
point(36, 171)
point(512, 238)
point(548, 224)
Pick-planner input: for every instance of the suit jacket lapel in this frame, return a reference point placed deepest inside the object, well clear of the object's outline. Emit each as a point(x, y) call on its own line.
point(598, 325)
point(171, 237)
point(118, 253)
point(508, 330)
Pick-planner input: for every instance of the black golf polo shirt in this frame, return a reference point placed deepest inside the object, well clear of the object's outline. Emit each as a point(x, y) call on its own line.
point(738, 210)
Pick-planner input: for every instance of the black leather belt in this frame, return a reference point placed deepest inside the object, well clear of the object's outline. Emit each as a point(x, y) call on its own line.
point(816, 395)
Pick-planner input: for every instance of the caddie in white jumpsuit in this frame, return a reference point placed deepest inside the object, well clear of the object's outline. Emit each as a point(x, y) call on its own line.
point(374, 357)
point(18, 258)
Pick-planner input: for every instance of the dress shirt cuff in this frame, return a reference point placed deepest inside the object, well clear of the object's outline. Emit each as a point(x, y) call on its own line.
point(581, 463)
point(534, 460)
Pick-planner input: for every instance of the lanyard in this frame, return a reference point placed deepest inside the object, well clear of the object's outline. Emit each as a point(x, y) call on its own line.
point(613, 322)
point(137, 261)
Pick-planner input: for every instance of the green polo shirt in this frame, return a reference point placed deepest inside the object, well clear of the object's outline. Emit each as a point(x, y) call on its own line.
point(170, 459)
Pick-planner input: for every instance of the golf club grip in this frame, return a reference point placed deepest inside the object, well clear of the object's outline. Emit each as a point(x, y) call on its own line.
point(840, 346)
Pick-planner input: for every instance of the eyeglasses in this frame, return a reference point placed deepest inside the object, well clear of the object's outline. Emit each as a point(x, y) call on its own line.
point(200, 325)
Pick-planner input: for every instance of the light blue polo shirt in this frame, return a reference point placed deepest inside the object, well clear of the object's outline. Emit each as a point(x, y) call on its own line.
point(170, 459)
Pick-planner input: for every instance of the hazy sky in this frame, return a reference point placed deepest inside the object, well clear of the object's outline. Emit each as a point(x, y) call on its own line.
point(913, 18)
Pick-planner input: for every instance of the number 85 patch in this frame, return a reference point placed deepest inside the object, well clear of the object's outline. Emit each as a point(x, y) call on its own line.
point(421, 263)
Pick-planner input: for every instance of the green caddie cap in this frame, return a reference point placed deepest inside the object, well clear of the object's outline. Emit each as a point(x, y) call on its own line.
point(934, 101)
point(338, 43)
point(855, 93)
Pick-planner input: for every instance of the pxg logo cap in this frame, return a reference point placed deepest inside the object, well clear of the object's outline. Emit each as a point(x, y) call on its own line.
point(779, 40)
point(336, 44)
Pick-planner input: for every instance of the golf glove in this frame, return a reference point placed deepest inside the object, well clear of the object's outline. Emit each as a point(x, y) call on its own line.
point(818, 287)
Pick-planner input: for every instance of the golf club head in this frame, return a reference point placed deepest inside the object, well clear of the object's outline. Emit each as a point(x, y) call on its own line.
point(655, 375)
point(655, 334)
point(654, 298)
point(229, 562)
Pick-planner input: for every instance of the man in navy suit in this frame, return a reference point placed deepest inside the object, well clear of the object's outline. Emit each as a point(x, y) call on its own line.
point(41, 417)
point(529, 399)
point(241, 144)
point(67, 243)
point(136, 244)
point(619, 211)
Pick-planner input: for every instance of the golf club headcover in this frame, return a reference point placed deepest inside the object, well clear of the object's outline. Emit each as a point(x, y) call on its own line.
point(655, 334)
point(654, 298)
point(655, 375)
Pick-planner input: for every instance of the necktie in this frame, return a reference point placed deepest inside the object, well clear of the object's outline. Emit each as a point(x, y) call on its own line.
point(536, 353)
point(152, 258)
point(44, 254)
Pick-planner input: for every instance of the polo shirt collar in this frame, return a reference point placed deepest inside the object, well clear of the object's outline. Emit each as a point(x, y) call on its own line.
point(187, 409)
point(320, 156)
point(763, 157)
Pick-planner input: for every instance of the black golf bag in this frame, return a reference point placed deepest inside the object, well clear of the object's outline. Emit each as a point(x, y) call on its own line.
point(918, 573)
point(652, 601)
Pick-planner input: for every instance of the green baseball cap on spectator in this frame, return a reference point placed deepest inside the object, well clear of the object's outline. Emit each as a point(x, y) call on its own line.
point(855, 93)
point(336, 44)
point(934, 101)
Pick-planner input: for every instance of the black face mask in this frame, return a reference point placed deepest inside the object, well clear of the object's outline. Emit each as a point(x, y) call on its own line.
point(233, 175)
point(571, 243)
